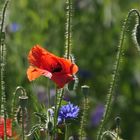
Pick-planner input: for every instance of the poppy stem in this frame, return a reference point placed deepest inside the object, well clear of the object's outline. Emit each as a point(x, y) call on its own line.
point(55, 112)
point(60, 97)
point(68, 33)
point(23, 131)
point(83, 121)
point(114, 76)
point(2, 70)
point(23, 100)
point(58, 100)
point(48, 93)
point(3, 16)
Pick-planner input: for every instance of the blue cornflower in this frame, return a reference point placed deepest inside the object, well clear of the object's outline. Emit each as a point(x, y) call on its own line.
point(14, 27)
point(68, 111)
point(96, 116)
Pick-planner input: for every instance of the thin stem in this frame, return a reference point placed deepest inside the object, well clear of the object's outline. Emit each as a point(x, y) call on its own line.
point(82, 132)
point(5, 128)
point(60, 98)
point(23, 101)
point(57, 106)
point(3, 15)
point(68, 29)
point(109, 134)
point(116, 71)
point(48, 92)
point(55, 113)
point(23, 120)
point(3, 62)
point(66, 131)
point(51, 138)
point(117, 138)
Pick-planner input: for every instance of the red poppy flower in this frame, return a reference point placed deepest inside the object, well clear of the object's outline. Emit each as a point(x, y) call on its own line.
point(44, 63)
point(8, 127)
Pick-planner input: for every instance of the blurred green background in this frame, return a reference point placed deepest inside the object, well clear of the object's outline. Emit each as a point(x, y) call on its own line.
point(96, 31)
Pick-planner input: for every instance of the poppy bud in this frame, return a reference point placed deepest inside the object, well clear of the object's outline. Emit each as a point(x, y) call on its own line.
point(23, 101)
point(50, 126)
point(138, 34)
point(117, 120)
point(2, 36)
point(85, 89)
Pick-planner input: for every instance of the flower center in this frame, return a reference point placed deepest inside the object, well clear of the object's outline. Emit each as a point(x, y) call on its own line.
point(56, 68)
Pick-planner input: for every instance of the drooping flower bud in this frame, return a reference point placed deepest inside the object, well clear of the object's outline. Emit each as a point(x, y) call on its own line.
point(85, 89)
point(23, 101)
point(138, 34)
point(117, 120)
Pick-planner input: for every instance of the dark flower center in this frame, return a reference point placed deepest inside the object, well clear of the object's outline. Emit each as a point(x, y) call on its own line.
point(56, 68)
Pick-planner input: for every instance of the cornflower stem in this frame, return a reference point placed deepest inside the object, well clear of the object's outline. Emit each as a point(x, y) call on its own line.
point(114, 76)
point(66, 131)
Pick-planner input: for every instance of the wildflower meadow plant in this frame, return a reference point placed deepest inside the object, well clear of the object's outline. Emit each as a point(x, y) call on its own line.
point(44, 63)
point(8, 128)
point(55, 120)
point(67, 112)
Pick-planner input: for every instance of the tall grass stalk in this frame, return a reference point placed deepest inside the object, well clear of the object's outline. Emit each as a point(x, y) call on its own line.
point(114, 76)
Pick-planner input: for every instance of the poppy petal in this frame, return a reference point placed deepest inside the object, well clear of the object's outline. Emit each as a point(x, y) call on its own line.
point(44, 63)
point(41, 58)
point(33, 73)
point(8, 127)
point(68, 66)
point(61, 79)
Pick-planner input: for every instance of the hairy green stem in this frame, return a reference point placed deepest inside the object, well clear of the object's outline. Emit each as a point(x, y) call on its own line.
point(3, 94)
point(114, 76)
point(82, 132)
point(48, 92)
point(23, 121)
point(68, 29)
point(83, 122)
point(66, 131)
point(23, 98)
point(108, 134)
point(55, 114)
point(2, 73)
point(58, 100)
point(3, 16)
